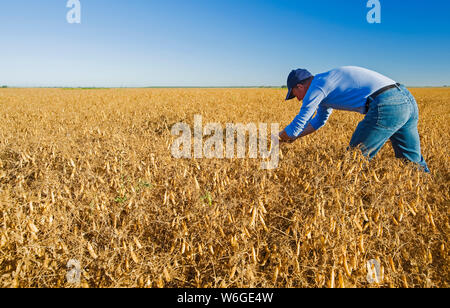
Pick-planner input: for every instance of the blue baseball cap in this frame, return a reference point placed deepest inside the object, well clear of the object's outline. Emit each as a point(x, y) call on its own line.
point(295, 77)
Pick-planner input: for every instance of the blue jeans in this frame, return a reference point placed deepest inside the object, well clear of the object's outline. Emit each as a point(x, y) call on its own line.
point(393, 115)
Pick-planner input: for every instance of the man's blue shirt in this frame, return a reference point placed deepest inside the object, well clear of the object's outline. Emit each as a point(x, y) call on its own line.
point(344, 88)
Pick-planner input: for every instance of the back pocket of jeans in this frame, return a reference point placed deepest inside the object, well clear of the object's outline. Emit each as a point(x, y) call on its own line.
point(394, 116)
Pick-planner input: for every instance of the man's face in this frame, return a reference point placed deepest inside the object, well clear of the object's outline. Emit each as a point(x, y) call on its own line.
point(299, 92)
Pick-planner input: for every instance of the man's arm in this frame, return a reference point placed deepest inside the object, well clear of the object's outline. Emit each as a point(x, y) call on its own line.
point(311, 102)
point(314, 125)
point(284, 138)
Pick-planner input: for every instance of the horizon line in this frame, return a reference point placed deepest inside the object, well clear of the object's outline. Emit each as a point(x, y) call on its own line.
point(175, 87)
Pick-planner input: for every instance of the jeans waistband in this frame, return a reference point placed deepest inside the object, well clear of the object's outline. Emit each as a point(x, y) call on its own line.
point(379, 92)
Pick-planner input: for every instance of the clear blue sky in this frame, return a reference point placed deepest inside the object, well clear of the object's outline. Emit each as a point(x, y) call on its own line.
point(218, 43)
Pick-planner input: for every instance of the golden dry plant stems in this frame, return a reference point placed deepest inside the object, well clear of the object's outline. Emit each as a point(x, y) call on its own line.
point(88, 175)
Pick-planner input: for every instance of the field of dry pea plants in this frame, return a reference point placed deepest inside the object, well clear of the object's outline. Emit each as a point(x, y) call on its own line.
point(88, 175)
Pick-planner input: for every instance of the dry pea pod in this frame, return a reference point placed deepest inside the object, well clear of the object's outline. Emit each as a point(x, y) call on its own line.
point(358, 225)
point(346, 268)
point(254, 257)
point(361, 244)
point(91, 251)
point(138, 244)
point(395, 221)
point(165, 198)
point(275, 274)
point(200, 249)
point(230, 218)
point(3, 241)
point(430, 257)
point(365, 177)
point(221, 231)
point(376, 216)
point(375, 177)
point(172, 248)
point(254, 213)
point(263, 223)
point(391, 263)
point(341, 281)
point(405, 282)
point(331, 282)
point(410, 208)
point(234, 242)
point(183, 247)
point(233, 272)
point(332, 225)
point(167, 276)
point(432, 221)
point(134, 256)
point(32, 227)
point(197, 185)
point(160, 283)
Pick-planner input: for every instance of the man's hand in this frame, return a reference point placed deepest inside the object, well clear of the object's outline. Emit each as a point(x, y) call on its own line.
point(284, 138)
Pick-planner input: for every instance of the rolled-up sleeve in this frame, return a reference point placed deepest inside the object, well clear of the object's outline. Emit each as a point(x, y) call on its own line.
point(310, 105)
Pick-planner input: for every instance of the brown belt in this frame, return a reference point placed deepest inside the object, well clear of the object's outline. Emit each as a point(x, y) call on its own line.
point(379, 92)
